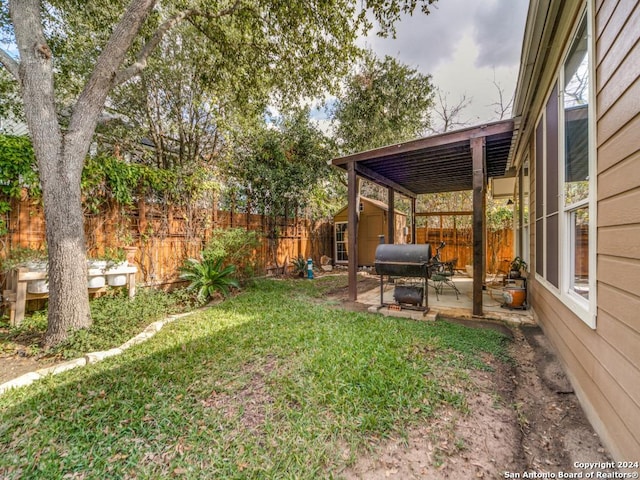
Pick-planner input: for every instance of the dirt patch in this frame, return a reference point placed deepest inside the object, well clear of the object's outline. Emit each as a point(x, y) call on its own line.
point(249, 403)
point(522, 418)
point(14, 365)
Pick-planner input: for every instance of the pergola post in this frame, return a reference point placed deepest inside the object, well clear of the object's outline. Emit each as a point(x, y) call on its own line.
point(391, 216)
point(479, 206)
point(352, 230)
point(413, 220)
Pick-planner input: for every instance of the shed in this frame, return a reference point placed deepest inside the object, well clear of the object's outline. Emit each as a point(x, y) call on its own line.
point(373, 223)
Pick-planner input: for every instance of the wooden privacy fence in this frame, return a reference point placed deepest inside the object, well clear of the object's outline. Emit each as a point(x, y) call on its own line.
point(459, 244)
point(166, 235)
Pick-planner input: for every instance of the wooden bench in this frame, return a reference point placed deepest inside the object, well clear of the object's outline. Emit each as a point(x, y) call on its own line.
point(16, 294)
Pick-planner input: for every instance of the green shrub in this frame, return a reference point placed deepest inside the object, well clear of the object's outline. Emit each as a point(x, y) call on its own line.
point(234, 246)
point(299, 266)
point(117, 318)
point(208, 276)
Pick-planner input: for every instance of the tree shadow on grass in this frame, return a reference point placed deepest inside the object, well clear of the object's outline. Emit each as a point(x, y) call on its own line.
point(234, 392)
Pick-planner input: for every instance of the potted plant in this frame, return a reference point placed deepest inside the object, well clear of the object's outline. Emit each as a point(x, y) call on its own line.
point(95, 273)
point(116, 268)
point(518, 266)
point(35, 260)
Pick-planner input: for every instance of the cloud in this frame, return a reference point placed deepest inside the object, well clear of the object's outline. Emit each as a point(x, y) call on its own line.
point(498, 31)
point(427, 40)
point(466, 46)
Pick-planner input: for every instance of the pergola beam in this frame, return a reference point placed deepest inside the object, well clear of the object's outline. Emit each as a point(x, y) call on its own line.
point(381, 180)
point(430, 142)
point(450, 213)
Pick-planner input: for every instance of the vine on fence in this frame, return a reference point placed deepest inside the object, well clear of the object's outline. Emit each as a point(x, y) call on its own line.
point(104, 178)
point(17, 171)
point(107, 178)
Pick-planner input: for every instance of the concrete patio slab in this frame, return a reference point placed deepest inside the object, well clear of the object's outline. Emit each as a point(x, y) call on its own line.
point(446, 305)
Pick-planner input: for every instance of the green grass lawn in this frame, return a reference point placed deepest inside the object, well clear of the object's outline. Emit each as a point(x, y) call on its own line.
point(270, 384)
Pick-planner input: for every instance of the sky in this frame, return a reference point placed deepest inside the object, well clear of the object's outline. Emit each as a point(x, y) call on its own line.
point(465, 45)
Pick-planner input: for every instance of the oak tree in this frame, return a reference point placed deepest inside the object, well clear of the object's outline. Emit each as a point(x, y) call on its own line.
point(292, 47)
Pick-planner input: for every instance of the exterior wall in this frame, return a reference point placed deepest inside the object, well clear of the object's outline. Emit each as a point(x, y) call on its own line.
point(618, 149)
point(372, 224)
point(603, 364)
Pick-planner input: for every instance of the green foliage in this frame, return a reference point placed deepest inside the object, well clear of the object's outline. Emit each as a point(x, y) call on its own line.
point(116, 318)
point(107, 178)
point(208, 276)
point(299, 265)
point(18, 170)
point(499, 216)
point(234, 246)
point(20, 256)
point(384, 102)
point(279, 171)
point(518, 264)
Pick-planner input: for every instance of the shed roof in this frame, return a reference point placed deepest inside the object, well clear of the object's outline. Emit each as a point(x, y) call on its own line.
point(376, 203)
point(439, 163)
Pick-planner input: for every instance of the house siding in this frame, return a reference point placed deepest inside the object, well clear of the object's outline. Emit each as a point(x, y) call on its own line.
point(603, 364)
point(618, 127)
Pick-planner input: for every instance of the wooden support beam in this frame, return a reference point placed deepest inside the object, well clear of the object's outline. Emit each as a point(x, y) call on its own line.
point(458, 213)
point(352, 230)
point(385, 182)
point(391, 216)
point(478, 154)
point(413, 220)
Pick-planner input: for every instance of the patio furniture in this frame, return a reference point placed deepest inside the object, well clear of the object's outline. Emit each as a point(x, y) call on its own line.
point(442, 276)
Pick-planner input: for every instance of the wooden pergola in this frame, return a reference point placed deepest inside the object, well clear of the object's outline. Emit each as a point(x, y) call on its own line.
point(453, 161)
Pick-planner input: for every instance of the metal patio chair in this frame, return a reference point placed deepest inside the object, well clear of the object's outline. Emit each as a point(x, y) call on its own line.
point(442, 275)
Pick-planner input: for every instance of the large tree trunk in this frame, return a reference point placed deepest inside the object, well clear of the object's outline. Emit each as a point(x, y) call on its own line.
point(60, 154)
point(68, 298)
point(60, 169)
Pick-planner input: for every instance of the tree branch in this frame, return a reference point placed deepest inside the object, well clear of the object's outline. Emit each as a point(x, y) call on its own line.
point(143, 57)
point(91, 101)
point(10, 64)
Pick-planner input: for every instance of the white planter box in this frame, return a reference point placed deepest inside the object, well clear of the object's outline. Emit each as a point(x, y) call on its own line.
point(95, 273)
point(117, 274)
point(38, 286)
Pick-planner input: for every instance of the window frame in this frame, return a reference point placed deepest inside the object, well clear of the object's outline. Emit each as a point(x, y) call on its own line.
point(340, 242)
point(585, 309)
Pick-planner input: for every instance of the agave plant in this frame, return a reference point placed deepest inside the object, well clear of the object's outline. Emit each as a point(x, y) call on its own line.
point(208, 276)
point(299, 266)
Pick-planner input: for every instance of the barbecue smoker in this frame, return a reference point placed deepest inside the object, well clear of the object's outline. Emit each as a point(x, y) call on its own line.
point(412, 261)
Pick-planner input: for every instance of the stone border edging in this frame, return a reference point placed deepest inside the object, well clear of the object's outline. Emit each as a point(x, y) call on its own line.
point(94, 357)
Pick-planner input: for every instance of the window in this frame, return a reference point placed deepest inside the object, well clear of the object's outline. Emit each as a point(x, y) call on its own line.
point(341, 242)
point(565, 182)
point(576, 160)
